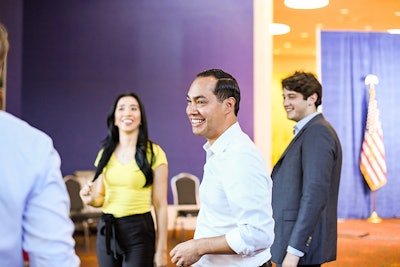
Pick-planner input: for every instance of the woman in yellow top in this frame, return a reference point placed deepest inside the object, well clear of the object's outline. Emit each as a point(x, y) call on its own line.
point(131, 175)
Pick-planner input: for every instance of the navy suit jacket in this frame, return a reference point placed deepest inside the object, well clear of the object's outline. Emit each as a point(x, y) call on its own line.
point(305, 194)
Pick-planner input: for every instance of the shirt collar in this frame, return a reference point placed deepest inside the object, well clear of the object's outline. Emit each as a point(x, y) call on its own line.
point(221, 142)
point(300, 124)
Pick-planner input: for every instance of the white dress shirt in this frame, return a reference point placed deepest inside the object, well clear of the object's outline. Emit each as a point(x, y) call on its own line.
point(34, 202)
point(235, 197)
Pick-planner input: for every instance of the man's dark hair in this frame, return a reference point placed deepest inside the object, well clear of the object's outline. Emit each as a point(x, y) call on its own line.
point(226, 86)
point(304, 83)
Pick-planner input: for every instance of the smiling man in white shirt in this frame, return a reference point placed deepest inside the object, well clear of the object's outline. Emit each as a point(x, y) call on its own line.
point(235, 225)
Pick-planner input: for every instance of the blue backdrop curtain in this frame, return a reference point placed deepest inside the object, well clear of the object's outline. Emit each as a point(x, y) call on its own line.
point(346, 59)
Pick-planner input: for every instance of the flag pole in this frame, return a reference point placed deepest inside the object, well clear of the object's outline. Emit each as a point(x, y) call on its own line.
point(374, 217)
point(371, 80)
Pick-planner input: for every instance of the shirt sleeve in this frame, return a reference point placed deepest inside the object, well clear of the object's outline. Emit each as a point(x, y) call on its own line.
point(46, 223)
point(248, 191)
point(295, 252)
point(159, 155)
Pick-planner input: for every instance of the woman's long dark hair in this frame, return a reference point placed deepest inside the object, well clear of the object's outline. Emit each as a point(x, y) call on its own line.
point(142, 145)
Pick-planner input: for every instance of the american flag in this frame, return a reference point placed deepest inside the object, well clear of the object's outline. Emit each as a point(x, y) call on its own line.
point(372, 163)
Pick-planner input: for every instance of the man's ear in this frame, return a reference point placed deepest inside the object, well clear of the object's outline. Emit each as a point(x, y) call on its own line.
point(229, 104)
point(313, 98)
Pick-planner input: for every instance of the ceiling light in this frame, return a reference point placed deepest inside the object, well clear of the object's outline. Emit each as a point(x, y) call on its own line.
point(394, 31)
point(278, 28)
point(306, 4)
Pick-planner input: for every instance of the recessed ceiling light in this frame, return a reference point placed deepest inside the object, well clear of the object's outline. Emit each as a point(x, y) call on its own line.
point(397, 13)
point(278, 28)
point(394, 31)
point(306, 4)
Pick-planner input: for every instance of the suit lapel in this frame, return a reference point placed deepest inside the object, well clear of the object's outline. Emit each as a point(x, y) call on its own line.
point(297, 137)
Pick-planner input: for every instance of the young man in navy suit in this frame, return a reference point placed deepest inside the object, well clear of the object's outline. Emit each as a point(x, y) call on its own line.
point(306, 180)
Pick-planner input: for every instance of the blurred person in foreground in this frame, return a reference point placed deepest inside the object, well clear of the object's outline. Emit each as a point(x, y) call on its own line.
point(34, 202)
point(234, 225)
point(306, 180)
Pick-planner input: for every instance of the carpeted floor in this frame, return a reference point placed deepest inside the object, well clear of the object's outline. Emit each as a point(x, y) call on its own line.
point(360, 244)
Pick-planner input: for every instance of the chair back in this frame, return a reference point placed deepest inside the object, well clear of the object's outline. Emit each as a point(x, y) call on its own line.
point(79, 215)
point(73, 187)
point(185, 189)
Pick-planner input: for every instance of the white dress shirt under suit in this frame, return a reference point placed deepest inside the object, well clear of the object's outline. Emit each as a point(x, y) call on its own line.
point(34, 202)
point(235, 197)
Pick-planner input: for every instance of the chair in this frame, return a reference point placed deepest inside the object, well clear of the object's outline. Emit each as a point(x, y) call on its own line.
point(185, 191)
point(77, 214)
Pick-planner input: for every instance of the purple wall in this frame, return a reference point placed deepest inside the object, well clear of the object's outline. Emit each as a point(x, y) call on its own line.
point(78, 55)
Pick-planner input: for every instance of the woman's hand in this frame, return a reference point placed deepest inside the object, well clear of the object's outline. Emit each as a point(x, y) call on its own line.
point(161, 259)
point(93, 192)
point(86, 193)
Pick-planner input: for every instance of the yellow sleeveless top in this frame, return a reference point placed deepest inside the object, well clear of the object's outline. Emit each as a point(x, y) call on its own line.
point(124, 191)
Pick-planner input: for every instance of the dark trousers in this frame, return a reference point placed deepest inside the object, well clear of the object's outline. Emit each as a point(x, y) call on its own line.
point(127, 241)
